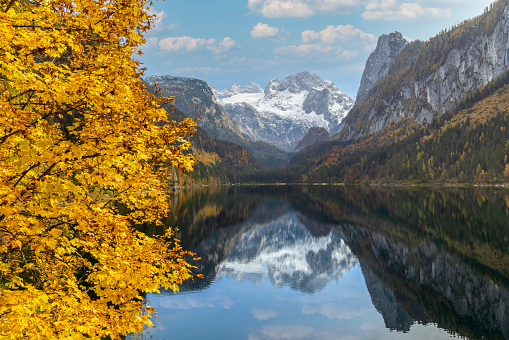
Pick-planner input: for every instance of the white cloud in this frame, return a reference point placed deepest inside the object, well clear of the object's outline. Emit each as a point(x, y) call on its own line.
point(264, 314)
point(300, 8)
point(176, 44)
point(406, 11)
point(280, 332)
point(374, 5)
point(224, 46)
point(280, 8)
point(186, 43)
point(334, 34)
point(312, 50)
point(264, 31)
point(158, 19)
point(158, 24)
point(389, 10)
point(151, 43)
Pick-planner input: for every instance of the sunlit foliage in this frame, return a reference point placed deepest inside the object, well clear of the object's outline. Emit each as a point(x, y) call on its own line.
point(84, 155)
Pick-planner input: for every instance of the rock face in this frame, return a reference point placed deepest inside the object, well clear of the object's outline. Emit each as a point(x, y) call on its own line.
point(377, 66)
point(471, 56)
point(314, 135)
point(386, 303)
point(196, 96)
point(284, 111)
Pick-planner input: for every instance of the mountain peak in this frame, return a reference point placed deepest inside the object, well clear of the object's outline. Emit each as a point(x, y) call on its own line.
point(237, 89)
point(377, 66)
point(396, 36)
point(422, 85)
point(302, 81)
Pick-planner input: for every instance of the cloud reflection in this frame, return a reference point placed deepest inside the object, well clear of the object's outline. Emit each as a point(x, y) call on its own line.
point(297, 332)
point(264, 314)
point(188, 302)
point(281, 332)
point(334, 311)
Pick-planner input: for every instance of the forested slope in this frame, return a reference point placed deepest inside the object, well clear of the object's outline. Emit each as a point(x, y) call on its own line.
point(469, 146)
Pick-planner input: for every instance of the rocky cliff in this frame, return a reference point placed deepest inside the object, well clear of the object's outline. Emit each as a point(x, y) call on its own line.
point(194, 96)
point(426, 79)
point(377, 66)
point(406, 283)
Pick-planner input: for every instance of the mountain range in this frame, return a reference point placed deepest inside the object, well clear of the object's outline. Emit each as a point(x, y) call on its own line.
point(194, 99)
point(422, 113)
point(283, 112)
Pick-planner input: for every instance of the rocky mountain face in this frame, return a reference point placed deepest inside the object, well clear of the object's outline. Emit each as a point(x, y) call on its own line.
point(386, 303)
point(378, 63)
point(426, 79)
point(194, 96)
point(284, 111)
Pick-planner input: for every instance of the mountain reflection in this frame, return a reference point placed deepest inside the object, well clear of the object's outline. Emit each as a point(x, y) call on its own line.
point(427, 256)
point(285, 251)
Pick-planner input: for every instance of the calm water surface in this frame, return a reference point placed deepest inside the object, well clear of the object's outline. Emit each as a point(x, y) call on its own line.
point(340, 263)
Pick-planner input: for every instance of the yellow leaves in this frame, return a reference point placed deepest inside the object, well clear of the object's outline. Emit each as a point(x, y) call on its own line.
point(81, 140)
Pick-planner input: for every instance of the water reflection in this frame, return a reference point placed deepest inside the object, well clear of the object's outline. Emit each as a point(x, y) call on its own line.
point(342, 262)
point(286, 252)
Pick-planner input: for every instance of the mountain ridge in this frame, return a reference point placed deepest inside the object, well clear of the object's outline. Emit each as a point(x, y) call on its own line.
point(427, 79)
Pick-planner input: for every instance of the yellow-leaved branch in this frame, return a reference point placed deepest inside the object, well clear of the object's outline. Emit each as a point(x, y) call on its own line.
point(80, 138)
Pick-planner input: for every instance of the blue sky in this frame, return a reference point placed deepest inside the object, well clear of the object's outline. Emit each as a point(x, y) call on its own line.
point(238, 41)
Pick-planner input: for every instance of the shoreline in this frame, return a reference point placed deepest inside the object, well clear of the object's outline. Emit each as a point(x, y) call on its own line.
point(410, 185)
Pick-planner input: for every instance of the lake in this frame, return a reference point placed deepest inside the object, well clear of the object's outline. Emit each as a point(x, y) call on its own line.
point(331, 262)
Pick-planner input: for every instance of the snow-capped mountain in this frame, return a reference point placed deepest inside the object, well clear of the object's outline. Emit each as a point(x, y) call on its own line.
point(237, 89)
point(284, 112)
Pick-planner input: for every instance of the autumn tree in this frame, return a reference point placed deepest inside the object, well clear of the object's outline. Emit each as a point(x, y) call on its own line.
point(80, 141)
